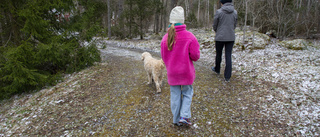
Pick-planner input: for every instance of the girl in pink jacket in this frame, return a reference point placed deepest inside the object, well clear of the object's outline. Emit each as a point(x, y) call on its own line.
point(179, 49)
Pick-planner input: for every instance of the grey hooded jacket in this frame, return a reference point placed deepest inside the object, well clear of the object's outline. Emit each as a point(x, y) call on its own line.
point(224, 23)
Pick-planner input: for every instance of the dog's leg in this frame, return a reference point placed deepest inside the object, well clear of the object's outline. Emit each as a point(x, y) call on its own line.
point(158, 87)
point(157, 82)
point(160, 78)
point(149, 78)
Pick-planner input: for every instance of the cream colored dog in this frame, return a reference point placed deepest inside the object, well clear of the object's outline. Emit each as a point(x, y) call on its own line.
point(154, 69)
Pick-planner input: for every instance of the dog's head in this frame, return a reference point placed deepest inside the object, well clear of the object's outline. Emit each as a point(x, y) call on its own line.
point(144, 55)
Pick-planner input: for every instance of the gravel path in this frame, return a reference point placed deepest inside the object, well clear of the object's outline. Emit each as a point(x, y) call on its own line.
point(112, 99)
point(293, 97)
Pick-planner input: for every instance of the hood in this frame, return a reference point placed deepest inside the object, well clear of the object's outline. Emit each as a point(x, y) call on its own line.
point(228, 8)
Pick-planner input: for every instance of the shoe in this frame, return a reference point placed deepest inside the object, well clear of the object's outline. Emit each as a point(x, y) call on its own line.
point(214, 70)
point(227, 80)
point(177, 124)
point(185, 121)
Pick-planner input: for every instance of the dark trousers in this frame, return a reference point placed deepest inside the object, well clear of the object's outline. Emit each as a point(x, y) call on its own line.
point(228, 51)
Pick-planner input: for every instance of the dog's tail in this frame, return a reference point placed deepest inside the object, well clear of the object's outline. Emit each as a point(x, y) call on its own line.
point(162, 64)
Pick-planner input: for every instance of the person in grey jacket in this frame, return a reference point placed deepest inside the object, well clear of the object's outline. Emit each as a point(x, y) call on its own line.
point(224, 25)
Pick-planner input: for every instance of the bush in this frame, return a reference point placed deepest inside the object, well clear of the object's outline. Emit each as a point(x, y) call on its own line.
point(18, 73)
point(84, 57)
point(42, 48)
point(32, 66)
point(118, 32)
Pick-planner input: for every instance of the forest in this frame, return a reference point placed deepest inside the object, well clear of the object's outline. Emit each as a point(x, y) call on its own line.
point(43, 39)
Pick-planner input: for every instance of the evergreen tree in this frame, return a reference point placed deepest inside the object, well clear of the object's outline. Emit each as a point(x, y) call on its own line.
point(40, 43)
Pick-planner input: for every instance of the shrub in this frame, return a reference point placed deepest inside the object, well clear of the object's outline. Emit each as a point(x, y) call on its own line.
point(32, 66)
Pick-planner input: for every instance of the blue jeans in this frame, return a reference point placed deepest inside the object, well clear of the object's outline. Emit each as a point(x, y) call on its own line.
point(181, 98)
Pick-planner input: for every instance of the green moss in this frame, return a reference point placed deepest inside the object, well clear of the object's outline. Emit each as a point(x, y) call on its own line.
point(297, 44)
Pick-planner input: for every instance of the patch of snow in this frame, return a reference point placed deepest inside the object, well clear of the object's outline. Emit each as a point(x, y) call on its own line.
point(297, 70)
point(59, 101)
point(195, 126)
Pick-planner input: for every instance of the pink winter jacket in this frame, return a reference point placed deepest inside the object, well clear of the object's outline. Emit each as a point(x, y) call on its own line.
point(179, 61)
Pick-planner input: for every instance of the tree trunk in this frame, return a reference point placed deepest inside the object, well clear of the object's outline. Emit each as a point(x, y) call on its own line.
point(245, 23)
point(254, 32)
point(109, 19)
point(141, 28)
point(165, 22)
point(199, 11)
point(208, 14)
point(105, 17)
point(105, 20)
point(2, 38)
point(213, 13)
point(1, 30)
point(298, 6)
point(317, 14)
point(156, 17)
point(161, 17)
point(279, 12)
point(157, 22)
point(130, 20)
point(120, 9)
point(173, 4)
point(187, 7)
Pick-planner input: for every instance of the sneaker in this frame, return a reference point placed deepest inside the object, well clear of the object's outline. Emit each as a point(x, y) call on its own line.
point(185, 121)
point(214, 70)
point(177, 124)
point(227, 80)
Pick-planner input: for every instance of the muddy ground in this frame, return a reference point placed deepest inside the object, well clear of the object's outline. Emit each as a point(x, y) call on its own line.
point(113, 99)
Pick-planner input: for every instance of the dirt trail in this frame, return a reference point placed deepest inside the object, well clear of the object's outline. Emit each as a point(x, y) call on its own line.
point(113, 99)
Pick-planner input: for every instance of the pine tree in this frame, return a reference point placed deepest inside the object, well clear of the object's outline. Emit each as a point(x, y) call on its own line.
point(42, 44)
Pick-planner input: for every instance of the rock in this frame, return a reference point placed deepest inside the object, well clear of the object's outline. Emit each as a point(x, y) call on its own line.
point(272, 33)
point(297, 44)
point(253, 40)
